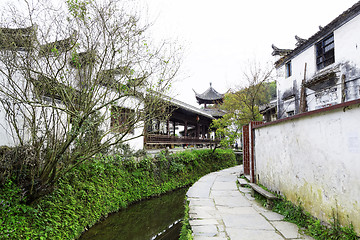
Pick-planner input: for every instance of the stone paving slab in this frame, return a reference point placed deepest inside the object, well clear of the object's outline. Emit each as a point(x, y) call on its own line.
point(226, 178)
point(201, 189)
point(201, 202)
point(246, 221)
point(236, 210)
point(245, 234)
point(203, 222)
point(203, 212)
point(272, 216)
point(245, 189)
point(209, 238)
point(220, 210)
point(221, 193)
point(205, 230)
point(287, 229)
point(224, 186)
point(232, 201)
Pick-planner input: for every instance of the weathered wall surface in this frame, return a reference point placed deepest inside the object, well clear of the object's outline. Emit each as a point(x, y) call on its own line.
point(314, 159)
point(346, 67)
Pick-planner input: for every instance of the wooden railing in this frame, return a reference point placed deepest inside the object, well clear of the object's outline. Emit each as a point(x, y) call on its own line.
point(154, 139)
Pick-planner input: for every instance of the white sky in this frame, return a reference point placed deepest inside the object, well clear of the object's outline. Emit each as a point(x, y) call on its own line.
point(220, 37)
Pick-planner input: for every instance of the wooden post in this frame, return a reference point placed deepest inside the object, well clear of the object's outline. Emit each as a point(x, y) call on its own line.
point(343, 90)
point(158, 126)
point(174, 123)
point(185, 128)
point(303, 104)
point(167, 127)
point(204, 131)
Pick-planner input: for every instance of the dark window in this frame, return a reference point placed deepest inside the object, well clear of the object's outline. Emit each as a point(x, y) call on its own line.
point(122, 119)
point(325, 54)
point(288, 69)
point(290, 113)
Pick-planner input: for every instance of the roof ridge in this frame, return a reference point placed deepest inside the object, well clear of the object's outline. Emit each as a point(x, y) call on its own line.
point(344, 17)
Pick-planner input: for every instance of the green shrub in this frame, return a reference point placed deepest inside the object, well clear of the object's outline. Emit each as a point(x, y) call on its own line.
point(186, 232)
point(98, 187)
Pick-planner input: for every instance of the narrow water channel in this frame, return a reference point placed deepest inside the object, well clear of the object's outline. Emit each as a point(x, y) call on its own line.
point(156, 218)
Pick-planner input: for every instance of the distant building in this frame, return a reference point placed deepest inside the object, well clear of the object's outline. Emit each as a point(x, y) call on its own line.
point(120, 118)
point(211, 100)
point(323, 70)
point(269, 110)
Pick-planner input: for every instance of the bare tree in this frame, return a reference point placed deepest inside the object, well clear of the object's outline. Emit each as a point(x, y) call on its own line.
point(242, 105)
point(75, 82)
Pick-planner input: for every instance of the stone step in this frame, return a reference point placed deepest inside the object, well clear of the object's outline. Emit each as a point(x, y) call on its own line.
point(242, 182)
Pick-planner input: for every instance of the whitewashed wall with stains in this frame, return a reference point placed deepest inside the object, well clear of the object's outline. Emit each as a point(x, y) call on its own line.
point(315, 160)
point(346, 67)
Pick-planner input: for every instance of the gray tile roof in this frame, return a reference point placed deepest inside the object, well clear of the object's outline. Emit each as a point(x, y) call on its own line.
point(333, 25)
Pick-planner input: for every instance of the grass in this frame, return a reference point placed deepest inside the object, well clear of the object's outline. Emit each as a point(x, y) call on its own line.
point(313, 226)
point(307, 223)
point(186, 232)
point(103, 185)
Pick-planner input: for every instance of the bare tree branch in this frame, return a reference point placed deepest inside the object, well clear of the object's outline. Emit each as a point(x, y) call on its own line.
point(62, 72)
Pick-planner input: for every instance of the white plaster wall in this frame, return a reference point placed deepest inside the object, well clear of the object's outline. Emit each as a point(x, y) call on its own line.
point(129, 102)
point(138, 142)
point(308, 57)
point(5, 130)
point(136, 139)
point(287, 83)
point(347, 56)
point(347, 49)
point(347, 42)
point(283, 83)
point(298, 66)
point(314, 160)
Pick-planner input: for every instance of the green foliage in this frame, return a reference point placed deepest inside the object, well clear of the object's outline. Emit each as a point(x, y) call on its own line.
point(98, 187)
point(77, 8)
point(312, 226)
point(226, 130)
point(186, 232)
point(242, 107)
point(64, 105)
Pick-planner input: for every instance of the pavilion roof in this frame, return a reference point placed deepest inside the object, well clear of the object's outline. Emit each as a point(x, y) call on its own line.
point(187, 107)
point(209, 96)
point(303, 44)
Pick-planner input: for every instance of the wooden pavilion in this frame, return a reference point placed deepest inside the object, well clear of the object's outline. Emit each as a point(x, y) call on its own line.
point(195, 123)
point(210, 96)
point(211, 99)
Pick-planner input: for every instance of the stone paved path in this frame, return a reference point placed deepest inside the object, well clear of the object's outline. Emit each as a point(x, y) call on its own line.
point(219, 210)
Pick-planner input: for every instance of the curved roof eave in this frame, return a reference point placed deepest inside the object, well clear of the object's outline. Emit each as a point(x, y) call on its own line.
point(333, 25)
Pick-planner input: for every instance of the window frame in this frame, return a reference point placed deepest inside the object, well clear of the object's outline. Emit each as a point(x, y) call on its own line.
point(325, 52)
point(288, 69)
point(121, 118)
point(290, 113)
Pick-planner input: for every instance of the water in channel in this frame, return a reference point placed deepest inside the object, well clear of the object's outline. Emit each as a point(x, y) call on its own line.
point(157, 219)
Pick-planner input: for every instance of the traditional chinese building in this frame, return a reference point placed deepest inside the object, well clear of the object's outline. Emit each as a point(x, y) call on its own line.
point(211, 100)
point(322, 70)
point(186, 125)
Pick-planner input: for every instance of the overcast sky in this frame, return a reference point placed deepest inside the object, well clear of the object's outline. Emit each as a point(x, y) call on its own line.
point(220, 37)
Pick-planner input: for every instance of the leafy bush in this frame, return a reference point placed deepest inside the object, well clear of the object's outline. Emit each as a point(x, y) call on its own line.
point(98, 187)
